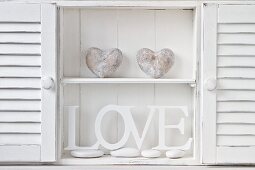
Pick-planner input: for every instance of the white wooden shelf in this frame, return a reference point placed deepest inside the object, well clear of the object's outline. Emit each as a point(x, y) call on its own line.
point(124, 80)
point(128, 4)
point(108, 160)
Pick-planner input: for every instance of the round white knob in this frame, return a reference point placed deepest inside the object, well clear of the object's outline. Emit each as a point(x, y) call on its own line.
point(211, 84)
point(47, 83)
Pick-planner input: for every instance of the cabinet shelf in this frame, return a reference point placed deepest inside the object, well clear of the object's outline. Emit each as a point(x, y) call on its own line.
point(77, 80)
point(108, 160)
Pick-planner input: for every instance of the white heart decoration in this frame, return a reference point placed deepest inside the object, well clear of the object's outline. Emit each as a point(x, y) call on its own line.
point(103, 62)
point(155, 64)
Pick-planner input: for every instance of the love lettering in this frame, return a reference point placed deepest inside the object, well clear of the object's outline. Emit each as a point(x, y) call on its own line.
point(130, 128)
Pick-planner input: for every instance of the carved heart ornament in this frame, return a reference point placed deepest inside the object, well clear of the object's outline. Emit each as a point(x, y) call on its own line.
point(155, 64)
point(103, 63)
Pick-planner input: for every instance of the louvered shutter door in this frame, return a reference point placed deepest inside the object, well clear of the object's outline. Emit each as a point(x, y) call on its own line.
point(229, 61)
point(27, 54)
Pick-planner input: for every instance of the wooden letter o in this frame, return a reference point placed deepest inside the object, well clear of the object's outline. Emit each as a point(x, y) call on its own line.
point(124, 111)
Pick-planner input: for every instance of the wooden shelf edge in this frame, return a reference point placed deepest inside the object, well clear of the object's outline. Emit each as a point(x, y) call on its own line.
point(125, 80)
point(119, 3)
point(108, 160)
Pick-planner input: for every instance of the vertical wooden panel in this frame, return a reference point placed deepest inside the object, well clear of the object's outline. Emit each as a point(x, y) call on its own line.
point(49, 69)
point(98, 29)
point(72, 61)
point(91, 103)
point(170, 33)
point(139, 96)
point(209, 71)
point(71, 42)
point(169, 95)
point(71, 57)
point(136, 30)
point(71, 94)
point(131, 30)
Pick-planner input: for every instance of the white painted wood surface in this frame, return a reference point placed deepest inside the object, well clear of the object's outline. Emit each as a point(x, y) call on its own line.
point(235, 98)
point(23, 105)
point(69, 95)
point(209, 72)
point(125, 80)
point(27, 52)
point(234, 123)
point(128, 162)
point(235, 50)
point(20, 117)
point(235, 84)
point(20, 38)
point(20, 140)
point(117, 167)
point(20, 128)
point(20, 49)
point(230, 95)
point(235, 142)
point(235, 155)
point(244, 73)
point(236, 14)
point(237, 61)
point(20, 13)
point(130, 4)
point(234, 94)
point(118, 94)
point(20, 153)
point(6, 71)
point(229, 118)
point(144, 3)
point(24, 60)
point(107, 28)
point(238, 39)
point(49, 69)
point(21, 83)
point(234, 62)
point(236, 28)
point(20, 28)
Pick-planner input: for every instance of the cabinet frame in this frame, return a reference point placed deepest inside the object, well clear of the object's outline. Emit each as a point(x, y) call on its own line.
point(193, 82)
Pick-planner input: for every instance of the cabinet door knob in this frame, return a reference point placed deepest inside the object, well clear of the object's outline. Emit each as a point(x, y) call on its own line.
point(47, 83)
point(211, 84)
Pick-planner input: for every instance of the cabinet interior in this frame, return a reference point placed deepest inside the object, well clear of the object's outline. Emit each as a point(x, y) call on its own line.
point(128, 29)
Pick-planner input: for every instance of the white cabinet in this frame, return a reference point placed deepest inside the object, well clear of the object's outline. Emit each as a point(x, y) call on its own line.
point(27, 59)
point(229, 65)
point(129, 26)
point(43, 72)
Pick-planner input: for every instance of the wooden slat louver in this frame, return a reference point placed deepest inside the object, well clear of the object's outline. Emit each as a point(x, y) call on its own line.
point(236, 76)
point(233, 113)
point(20, 86)
point(21, 103)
